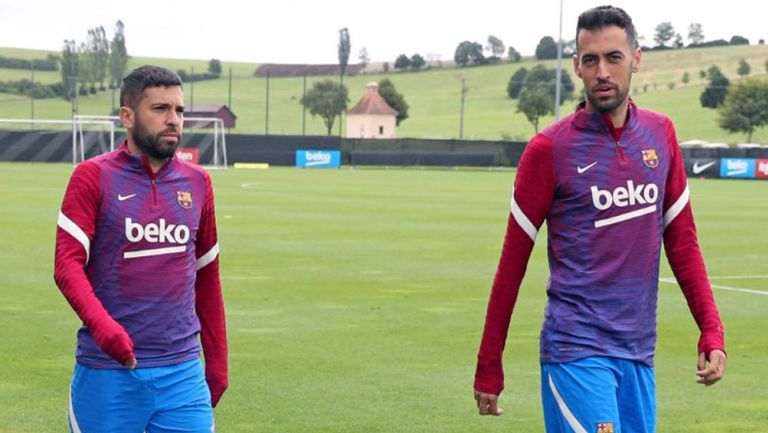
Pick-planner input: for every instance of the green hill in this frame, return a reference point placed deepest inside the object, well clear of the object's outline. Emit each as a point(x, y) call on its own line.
point(433, 95)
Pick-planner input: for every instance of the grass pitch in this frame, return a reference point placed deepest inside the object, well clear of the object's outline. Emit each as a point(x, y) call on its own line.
point(356, 298)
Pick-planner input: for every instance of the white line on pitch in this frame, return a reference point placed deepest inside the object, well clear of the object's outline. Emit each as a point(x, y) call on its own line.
point(717, 286)
point(739, 277)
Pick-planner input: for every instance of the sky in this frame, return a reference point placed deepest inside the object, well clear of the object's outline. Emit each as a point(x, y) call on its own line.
point(303, 31)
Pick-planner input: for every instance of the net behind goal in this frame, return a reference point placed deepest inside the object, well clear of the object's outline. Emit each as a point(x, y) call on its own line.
point(205, 146)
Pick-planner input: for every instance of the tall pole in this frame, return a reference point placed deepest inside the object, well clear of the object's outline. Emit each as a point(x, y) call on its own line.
point(32, 97)
point(304, 107)
point(559, 65)
point(229, 99)
point(192, 90)
point(461, 116)
point(266, 118)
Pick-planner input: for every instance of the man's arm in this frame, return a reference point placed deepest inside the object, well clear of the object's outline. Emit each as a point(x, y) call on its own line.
point(209, 301)
point(687, 263)
point(531, 200)
point(75, 231)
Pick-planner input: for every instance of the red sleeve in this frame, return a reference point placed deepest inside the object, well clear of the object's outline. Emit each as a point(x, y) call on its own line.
point(684, 255)
point(209, 302)
point(75, 231)
point(531, 200)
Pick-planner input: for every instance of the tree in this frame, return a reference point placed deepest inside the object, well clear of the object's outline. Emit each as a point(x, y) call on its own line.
point(745, 108)
point(214, 66)
point(101, 55)
point(744, 68)
point(695, 33)
point(739, 40)
point(469, 53)
point(118, 56)
point(678, 42)
point(714, 94)
point(686, 77)
point(513, 55)
point(344, 48)
point(664, 33)
point(417, 62)
point(516, 81)
point(495, 47)
point(541, 77)
point(394, 99)
point(327, 99)
point(534, 103)
point(363, 57)
point(70, 68)
point(546, 49)
point(402, 62)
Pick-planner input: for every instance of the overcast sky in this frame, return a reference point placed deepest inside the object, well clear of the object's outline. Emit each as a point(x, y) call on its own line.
point(303, 31)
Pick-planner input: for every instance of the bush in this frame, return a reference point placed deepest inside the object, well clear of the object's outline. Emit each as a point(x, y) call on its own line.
point(49, 64)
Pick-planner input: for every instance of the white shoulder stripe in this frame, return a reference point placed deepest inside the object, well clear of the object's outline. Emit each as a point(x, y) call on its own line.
point(207, 258)
point(567, 414)
point(76, 232)
point(676, 208)
point(523, 220)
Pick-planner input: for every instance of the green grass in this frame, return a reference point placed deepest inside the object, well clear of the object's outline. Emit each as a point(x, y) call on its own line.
point(355, 301)
point(433, 96)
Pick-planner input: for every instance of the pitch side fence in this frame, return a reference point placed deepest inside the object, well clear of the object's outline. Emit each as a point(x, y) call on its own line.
point(56, 146)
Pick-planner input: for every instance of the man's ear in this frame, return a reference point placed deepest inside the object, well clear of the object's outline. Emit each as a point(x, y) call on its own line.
point(127, 116)
point(576, 66)
point(637, 56)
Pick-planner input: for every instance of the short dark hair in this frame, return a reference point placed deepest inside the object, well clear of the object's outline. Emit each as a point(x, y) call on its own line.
point(142, 77)
point(602, 16)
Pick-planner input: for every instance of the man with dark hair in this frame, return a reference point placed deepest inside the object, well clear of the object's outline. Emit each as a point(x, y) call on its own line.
point(137, 259)
point(610, 182)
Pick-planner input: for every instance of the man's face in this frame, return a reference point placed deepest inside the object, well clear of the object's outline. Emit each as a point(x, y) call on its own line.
point(157, 121)
point(605, 62)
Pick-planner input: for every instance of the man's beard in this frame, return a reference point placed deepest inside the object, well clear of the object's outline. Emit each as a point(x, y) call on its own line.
point(607, 106)
point(151, 145)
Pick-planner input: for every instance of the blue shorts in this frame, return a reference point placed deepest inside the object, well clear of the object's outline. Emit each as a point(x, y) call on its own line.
point(172, 398)
point(599, 395)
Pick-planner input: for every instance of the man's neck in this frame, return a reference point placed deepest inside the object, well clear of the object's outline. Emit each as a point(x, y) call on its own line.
point(154, 164)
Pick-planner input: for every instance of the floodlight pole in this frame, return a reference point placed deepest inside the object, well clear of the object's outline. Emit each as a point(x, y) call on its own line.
point(461, 116)
point(558, 75)
point(304, 107)
point(32, 97)
point(266, 117)
point(192, 89)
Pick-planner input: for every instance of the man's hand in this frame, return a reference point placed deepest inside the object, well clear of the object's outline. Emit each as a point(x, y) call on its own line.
point(115, 342)
point(711, 368)
point(217, 384)
point(487, 404)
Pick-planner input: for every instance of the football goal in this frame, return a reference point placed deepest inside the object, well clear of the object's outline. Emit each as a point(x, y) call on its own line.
point(206, 146)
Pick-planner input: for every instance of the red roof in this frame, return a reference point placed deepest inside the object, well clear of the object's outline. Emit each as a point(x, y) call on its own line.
point(372, 103)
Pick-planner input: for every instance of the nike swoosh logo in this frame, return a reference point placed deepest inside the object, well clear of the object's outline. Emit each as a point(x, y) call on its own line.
point(583, 169)
point(699, 168)
point(125, 197)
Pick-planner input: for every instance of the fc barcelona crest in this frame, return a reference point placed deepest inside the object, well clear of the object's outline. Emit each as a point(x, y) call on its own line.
point(650, 158)
point(605, 427)
point(185, 199)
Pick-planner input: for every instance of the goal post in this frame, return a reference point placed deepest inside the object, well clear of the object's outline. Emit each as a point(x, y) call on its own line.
point(204, 142)
point(208, 149)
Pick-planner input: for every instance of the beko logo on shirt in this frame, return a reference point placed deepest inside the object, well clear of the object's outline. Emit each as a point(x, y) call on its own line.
point(162, 232)
point(153, 233)
point(622, 197)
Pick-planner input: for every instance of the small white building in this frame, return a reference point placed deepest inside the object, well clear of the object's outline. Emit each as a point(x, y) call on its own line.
point(372, 117)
